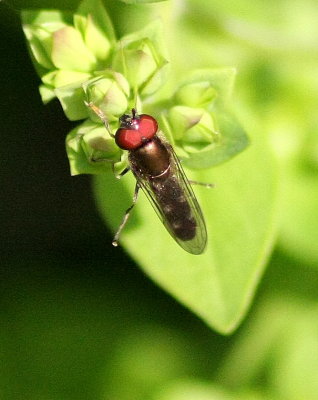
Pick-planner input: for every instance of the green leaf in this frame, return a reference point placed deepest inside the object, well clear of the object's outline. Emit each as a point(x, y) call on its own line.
point(241, 216)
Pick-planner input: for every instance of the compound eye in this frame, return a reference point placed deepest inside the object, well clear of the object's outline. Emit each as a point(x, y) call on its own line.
point(134, 134)
point(128, 139)
point(147, 126)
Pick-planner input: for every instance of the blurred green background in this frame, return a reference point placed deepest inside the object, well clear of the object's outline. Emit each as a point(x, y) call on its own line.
point(78, 319)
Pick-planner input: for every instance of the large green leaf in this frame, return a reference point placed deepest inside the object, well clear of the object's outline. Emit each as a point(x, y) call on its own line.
point(240, 216)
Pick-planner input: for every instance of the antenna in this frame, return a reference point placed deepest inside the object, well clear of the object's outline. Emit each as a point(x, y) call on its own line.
point(101, 115)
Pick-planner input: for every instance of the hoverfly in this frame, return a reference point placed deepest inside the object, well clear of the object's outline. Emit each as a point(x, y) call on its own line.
point(159, 174)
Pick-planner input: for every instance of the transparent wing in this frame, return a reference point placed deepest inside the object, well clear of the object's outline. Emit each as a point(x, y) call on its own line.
point(176, 205)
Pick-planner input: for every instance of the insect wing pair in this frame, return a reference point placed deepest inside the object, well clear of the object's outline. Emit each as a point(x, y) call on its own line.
point(173, 199)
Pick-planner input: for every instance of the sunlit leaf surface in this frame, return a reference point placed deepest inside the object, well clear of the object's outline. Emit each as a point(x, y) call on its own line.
point(239, 212)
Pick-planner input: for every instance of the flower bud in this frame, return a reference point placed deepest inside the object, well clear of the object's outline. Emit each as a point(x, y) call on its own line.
point(193, 128)
point(69, 51)
point(90, 149)
point(196, 94)
point(68, 48)
point(108, 92)
point(40, 43)
point(141, 60)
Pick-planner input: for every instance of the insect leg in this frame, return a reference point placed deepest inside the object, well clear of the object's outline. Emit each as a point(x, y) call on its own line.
point(207, 185)
point(122, 173)
point(101, 115)
point(96, 160)
point(126, 216)
point(118, 176)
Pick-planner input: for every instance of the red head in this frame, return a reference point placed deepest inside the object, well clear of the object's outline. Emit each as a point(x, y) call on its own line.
point(135, 130)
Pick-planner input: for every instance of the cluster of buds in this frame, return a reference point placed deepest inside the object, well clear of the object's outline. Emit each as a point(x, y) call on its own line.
point(80, 61)
point(192, 117)
point(204, 132)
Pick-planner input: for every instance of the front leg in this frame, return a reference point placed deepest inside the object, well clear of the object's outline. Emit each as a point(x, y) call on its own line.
point(101, 115)
point(126, 216)
point(117, 176)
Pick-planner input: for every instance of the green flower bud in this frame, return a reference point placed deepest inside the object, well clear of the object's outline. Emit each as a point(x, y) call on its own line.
point(69, 51)
point(204, 87)
point(40, 42)
point(90, 149)
point(193, 129)
point(108, 92)
point(68, 48)
point(140, 58)
point(59, 46)
point(72, 98)
point(92, 20)
point(94, 38)
point(204, 130)
point(61, 82)
point(59, 78)
point(67, 86)
point(196, 94)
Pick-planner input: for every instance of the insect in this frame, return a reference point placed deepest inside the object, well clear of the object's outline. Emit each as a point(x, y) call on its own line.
point(159, 174)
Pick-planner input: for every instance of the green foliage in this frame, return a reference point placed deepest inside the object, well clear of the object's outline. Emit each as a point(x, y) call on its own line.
point(264, 193)
point(198, 123)
point(204, 131)
point(239, 211)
